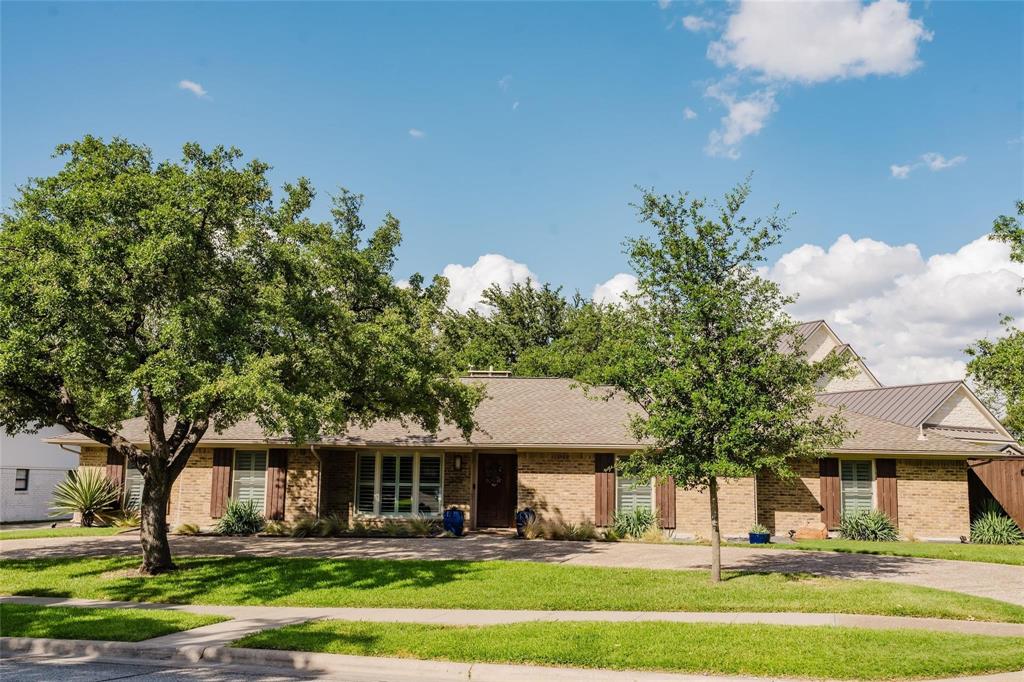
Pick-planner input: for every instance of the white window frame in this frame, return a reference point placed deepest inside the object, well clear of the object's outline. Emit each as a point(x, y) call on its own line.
point(377, 470)
point(234, 470)
point(18, 479)
point(654, 502)
point(874, 484)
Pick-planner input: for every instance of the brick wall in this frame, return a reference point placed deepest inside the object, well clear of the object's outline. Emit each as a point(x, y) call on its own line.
point(557, 485)
point(933, 500)
point(303, 481)
point(458, 484)
point(786, 504)
point(735, 509)
point(958, 410)
point(190, 494)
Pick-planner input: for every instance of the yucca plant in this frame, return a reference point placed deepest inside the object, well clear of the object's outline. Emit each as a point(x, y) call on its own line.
point(634, 524)
point(993, 527)
point(868, 525)
point(241, 518)
point(86, 492)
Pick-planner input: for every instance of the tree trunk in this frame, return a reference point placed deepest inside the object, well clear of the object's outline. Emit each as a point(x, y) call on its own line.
point(716, 533)
point(156, 551)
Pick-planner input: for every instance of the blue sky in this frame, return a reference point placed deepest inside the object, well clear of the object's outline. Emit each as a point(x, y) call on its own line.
point(537, 119)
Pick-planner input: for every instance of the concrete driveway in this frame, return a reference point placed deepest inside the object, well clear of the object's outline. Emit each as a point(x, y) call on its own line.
point(997, 581)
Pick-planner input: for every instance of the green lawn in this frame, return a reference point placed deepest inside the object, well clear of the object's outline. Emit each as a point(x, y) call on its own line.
point(68, 532)
point(480, 585)
point(118, 625)
point(993, 554)
point(765, 650)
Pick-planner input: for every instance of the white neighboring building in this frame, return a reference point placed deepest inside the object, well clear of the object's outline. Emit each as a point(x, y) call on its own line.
point(29, 470)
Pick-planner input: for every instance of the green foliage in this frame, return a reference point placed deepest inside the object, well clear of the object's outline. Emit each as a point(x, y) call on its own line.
point(868, 525)
point(634, 524)
point(759, 529)
point(997, 368)
point(993, 527)
point(187, 529)
point(185, 291)
point(1008, 229)
point(277, 528)
point(241, 518)
point(86, 492)
point(307, 526)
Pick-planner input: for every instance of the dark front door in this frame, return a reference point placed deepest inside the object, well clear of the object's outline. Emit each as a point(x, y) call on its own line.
point(496, 490)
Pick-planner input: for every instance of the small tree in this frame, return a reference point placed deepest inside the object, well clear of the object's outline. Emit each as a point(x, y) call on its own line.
point(708, 355)
point(181, 293)
point(997, 367)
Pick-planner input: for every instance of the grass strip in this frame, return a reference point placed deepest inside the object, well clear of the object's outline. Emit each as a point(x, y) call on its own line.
point(765, 650)
point(993, 554)
point(32, 534)
point(116, 625)
point(481, 585)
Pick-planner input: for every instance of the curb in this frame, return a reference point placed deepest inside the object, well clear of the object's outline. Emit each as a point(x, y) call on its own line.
point(357, 668)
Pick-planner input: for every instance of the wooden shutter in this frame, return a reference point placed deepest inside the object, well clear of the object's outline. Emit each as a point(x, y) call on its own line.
point(115, 467)
point(604, 489)
point(277, 480)
point(221, 488)
point(885, 483)
point(665, 501)
point(1004, 480)
point(828, 472)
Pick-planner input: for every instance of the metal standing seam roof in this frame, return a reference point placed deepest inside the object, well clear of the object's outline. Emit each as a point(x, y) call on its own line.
point(906, 405)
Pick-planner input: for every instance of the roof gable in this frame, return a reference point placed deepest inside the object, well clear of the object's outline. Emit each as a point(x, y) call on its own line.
point(905, 405)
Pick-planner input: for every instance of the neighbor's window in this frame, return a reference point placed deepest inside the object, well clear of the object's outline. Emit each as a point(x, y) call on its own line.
point(132, 487)
point(250, 476)
point(857, 489)
point(21, 479)
point(398, 485)
point(631, 494)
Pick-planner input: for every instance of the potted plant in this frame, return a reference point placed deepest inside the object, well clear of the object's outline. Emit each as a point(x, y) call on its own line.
point(759, 535)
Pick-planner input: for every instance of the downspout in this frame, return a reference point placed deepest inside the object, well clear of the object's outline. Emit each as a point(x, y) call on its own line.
point(319, 475)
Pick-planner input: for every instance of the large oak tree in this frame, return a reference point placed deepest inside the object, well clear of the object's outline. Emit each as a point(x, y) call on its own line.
point(183, 293)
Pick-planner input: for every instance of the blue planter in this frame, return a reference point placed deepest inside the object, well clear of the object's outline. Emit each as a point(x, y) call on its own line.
point(523, 518)
point(454, 521)
point(760, 538)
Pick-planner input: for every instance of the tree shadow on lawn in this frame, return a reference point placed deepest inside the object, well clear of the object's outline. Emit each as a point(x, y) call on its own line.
point(830, 564)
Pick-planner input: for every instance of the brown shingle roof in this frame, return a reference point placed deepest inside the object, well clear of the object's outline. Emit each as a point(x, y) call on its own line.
point(906, 405)
point(535, 412)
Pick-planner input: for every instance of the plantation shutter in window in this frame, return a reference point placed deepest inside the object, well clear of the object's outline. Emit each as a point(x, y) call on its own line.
point(429, 501)
point(132, 487)
point(249, 483)
point(856, 486)
point(277, 483)
point(604, 489)
point(364, 495)
point(115, 467)
point(885, 480)
point(221, 481)
point(396, 484)
point(828, 471)
point(633, 495)
point(666, 502)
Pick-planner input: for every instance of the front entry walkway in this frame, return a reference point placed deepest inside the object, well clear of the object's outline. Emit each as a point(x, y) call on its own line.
point(996, 581)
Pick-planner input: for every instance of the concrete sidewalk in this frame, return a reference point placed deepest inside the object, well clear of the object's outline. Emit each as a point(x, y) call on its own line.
point(996, 581)
point(361, 668)
point(249, 619)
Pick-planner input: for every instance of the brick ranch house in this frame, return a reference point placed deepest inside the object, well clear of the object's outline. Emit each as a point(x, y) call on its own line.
point(925, 454)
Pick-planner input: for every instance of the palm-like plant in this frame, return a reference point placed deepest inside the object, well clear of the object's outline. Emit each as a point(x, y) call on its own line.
point(87, 492)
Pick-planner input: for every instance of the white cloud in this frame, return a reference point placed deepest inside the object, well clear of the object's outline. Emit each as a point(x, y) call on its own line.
point(937, 162)
point(689, 114)
point(931, 160)
point(697, 24)
point(909, 317)
point(612, 290)
point(812, 42)
point(664, 4)
point(193, 87)
point(468, 283)
point(417, 133)
point(900, 172)
point(505, 81)
point(746, 116)
point(515, 105)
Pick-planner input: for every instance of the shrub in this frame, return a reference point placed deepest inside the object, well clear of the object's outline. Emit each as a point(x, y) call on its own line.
point(584, 532)
point(993, 527)
point(421, 527)
point(331, 526)
point(187, 529)
point(86, 492)
point(759, 529)
point(610, 535)
point(305, 527)
point(126, 518)
point(276, 528)
point(654, 535)
point(634, 524)
point(533, 529)
point(868, 525)
point(241, 518)
point(395, 529)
